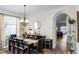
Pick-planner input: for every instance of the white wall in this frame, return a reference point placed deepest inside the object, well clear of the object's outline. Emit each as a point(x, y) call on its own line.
point(47, 20)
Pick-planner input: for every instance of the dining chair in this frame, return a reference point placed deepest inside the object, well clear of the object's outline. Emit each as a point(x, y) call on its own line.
point(42, 37)
point(28, 36)
point(10, 45)
point(13, 35)
point(39, 47)
point(21, 47)
point(15, 45)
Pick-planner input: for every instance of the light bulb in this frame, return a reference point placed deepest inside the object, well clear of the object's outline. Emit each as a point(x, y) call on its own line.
point(21, 21)
point(27, 21)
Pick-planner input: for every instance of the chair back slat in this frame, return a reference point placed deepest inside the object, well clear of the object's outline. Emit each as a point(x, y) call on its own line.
point(20, 43)
point(15, 42)
point(10, 41)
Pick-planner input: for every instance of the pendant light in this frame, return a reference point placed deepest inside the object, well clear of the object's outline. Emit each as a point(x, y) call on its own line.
point(24, 22)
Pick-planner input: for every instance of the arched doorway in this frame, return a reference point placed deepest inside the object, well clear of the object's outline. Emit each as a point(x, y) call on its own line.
point(61, 19)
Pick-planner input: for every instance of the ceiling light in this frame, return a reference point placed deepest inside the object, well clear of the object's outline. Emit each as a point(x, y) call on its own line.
point(24, 22)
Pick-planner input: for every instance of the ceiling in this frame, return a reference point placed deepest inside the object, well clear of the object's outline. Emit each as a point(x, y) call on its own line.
point(19, 9)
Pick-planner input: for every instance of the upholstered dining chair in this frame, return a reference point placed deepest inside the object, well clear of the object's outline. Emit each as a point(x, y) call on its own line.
point(39, 47)
point(21, 47)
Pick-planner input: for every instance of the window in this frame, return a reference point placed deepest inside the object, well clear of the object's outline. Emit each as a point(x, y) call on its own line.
point(10, 27)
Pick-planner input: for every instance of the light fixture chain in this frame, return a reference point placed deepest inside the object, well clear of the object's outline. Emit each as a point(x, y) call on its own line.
point(24, 12)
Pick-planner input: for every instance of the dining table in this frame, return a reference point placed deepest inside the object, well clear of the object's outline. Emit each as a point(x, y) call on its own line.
point(29, 42)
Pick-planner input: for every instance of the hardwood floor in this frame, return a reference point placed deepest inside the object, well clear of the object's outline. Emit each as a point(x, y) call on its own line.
point(4, 51)
point(46, 51)
point(60, 49)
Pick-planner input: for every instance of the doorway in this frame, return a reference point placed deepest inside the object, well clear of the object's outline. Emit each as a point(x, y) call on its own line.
point(61, 32)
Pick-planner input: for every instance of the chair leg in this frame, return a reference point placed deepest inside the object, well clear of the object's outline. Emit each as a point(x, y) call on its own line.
point(42, 52)
point(37, 52)
point(18, 51)
point(13, 50)
point(9, 48)
point(23, 51)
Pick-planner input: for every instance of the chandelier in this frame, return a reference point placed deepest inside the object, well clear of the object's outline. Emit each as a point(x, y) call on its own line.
point(24, 21)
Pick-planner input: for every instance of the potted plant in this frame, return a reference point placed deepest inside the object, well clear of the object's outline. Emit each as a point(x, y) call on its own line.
point(71, 21)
